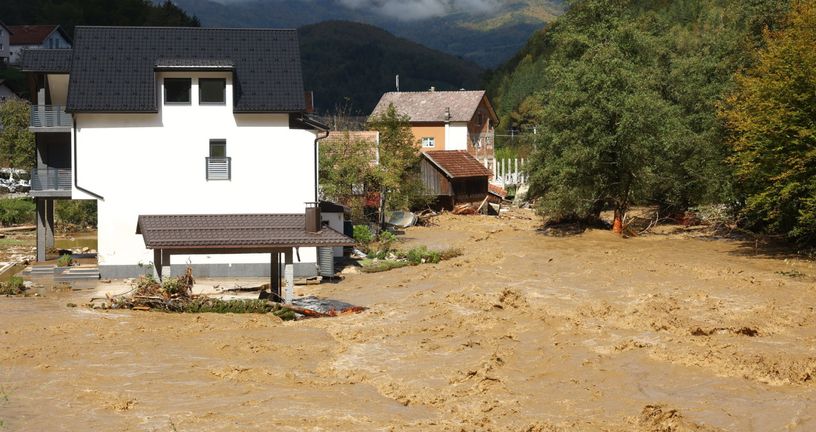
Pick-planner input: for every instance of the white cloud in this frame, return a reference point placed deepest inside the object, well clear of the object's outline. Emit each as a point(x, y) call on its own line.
point(407, 10)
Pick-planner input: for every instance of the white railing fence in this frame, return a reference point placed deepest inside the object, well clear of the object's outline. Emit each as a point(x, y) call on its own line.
point(510, 172)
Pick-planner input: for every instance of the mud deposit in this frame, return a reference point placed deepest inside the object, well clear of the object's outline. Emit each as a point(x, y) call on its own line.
point(523, 332)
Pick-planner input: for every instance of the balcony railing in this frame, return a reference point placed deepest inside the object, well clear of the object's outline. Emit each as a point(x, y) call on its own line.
point(50, 179)
point(218, 168)
point(50, 116)
point(482, 140)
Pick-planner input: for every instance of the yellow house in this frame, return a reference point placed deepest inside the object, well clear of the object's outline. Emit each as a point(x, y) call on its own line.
point(448, 120)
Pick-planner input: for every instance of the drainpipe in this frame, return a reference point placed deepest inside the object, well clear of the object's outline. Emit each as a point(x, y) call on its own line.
point(76, 168)
point(319, 126)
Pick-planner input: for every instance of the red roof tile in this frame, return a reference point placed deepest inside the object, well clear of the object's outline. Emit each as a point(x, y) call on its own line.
point(457, 163)
point(30, 34)
point(234, 231)
point(496, 190)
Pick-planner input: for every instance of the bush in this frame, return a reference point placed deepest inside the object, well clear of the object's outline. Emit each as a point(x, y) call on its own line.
point(13, 286)
point(17, 211)
point(76, 214)
point(65, 260)
point(362, 235)
point(382, 266)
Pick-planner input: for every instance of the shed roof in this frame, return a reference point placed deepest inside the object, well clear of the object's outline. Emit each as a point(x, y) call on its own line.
point(113, 68)
point(46, 60)
point(431, 106)
point(457, 163)
point(233, 231)
point(33, 34)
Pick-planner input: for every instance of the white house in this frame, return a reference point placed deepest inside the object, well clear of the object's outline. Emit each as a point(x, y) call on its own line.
point(5, 34)
point(30, 37)
point(198, 136)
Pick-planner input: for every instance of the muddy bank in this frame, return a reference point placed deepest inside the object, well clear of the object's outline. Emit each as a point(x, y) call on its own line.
point(523, 332)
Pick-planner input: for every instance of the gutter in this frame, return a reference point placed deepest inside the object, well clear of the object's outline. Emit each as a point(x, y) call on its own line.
point(76, 168)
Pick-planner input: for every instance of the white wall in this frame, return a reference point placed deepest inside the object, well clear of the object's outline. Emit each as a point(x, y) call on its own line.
point(335, 221)
point(155, 164)
point(456, 136)
point(4, 43)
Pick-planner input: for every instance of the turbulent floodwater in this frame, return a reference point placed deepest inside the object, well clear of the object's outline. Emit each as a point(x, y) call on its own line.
point(523, 332)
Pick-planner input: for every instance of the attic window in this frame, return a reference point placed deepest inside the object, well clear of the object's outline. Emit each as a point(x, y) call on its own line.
point(211, 90)
point(480, 119)
point(177, 90)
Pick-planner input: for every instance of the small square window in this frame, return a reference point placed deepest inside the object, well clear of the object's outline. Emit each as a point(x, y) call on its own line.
point(212, 90)
point(428, 142)
point(218, 148)
point(177, 90)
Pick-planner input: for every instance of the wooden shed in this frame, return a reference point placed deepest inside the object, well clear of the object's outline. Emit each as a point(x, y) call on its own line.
point(454, 177)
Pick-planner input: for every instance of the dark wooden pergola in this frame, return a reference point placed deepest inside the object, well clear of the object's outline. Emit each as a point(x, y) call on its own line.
point(275, 234)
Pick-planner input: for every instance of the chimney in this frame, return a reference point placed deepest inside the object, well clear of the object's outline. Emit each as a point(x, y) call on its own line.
point(447, 114)
point(313, 224)
point(433, 89)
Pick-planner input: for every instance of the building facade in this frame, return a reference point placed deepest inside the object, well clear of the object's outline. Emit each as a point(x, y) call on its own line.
point(448, 120)
point(202, 122)
point(31, 37)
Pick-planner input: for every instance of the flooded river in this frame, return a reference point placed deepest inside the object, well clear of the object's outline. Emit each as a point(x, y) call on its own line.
point(523, 332)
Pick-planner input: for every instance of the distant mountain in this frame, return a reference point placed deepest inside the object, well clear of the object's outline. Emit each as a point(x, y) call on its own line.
point(350, 65)
point(487, 32)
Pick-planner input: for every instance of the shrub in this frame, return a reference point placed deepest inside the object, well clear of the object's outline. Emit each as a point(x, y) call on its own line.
point(76, 214)
point(65, 260)
point(13, 286)
point(363, 236)
point(17, 211)
point(382, 266)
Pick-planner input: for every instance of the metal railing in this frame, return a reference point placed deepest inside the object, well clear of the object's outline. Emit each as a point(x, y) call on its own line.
point(219, 168)
point(45, 179)
point(50, 116)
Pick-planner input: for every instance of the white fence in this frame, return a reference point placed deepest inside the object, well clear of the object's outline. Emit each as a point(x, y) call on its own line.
point(510, 172)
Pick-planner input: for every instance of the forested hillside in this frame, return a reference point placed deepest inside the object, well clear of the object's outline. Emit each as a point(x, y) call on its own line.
point(350, 65)
point(70, 13)
point(627, 99)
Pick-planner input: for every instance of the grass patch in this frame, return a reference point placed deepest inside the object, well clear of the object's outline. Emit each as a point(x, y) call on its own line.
point(372, 266)
point(416, 256)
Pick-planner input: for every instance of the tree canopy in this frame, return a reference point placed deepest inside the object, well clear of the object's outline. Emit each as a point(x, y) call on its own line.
point(624, 96)
point(772, 119)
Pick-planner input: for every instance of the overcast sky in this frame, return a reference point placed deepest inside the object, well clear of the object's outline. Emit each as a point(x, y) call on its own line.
point(414, 9)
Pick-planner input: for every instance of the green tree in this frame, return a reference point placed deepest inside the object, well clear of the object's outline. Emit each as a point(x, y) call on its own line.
point(16, 141)
point(772, 119)
point(347, 171)
point(604, 127)
point(398, 171)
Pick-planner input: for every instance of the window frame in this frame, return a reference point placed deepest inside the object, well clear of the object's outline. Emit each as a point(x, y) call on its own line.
point(225, 158)
point(189, 90)
point(432, 140)
point(223, 92)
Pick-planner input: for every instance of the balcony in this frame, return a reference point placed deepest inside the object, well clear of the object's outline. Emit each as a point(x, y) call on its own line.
point(51, 182)
point(50, 118)
point(218, 168)
point(482, 141)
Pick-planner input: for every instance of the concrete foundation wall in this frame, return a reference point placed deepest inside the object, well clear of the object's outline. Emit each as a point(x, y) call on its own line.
point(208, 270)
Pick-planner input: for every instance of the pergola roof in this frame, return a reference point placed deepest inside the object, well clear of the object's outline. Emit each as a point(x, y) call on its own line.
point(234, 231)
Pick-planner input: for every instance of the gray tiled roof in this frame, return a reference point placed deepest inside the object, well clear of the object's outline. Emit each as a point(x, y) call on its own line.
point(46, 60)
point(233, 231)
point(114, 67)
point(430, 106)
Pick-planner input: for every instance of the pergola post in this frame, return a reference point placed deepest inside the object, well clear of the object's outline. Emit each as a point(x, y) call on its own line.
point(157, 264)
point(289, 275)
point(274, 276)
point(165, 260)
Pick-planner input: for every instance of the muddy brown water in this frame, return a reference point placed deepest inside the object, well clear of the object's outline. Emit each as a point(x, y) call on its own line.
point(522, 333)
